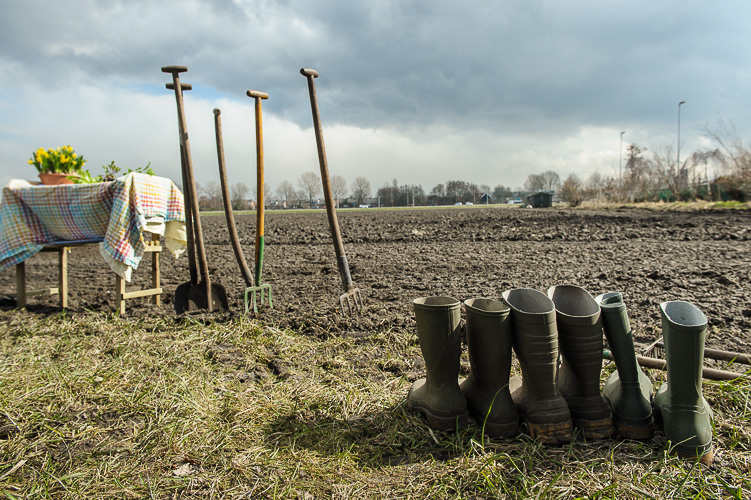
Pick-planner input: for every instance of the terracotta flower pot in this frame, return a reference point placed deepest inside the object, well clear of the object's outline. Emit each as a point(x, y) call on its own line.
point(54, 179)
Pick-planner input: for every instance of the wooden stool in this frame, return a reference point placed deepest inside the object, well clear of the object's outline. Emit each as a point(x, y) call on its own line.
point(154, 248)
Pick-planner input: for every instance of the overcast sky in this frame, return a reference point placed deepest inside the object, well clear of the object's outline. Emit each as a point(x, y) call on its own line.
point(418, 91)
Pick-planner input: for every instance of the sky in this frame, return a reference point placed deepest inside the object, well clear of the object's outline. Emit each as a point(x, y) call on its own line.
point(421, 92)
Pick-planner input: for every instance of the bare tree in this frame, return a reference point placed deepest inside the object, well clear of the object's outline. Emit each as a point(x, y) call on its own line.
point(533, 182)
point(266, 191)
point(338, 188)
point(571, 190)
point(239, 195)
point(286, 191)
point(672, 176)
point(593, 188)
point(501, 193)
point(210, 196)
point(551, 181)
point(310, 183)
point(361, 189)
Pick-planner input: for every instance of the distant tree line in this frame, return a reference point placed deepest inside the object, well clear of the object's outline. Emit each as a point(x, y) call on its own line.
point(645, 176)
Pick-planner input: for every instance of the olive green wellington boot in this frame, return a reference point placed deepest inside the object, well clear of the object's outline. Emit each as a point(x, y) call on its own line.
point(628, 390)
point(685, 414)
point(535, 341)
point(580, 343)
point(486, 388)
point(438, 395)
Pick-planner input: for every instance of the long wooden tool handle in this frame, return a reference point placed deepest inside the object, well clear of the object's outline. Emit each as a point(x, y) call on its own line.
point(184, 142)
point(661, 364)
point(341, 258)
point(737, 357)
point(228, 213)
point(258, 96)
point(190, 241)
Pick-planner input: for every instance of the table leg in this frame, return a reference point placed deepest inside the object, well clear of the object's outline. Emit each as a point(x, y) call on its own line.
point(155, 277)
point(120, 293)
point(21, 285)
point(63, 289)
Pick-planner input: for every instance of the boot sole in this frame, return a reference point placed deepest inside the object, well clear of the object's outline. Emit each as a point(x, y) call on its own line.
point(635, 432)
point(442, 422)
point(705, 459)
point(595, 429)
point(551, 434)
point(496, 429)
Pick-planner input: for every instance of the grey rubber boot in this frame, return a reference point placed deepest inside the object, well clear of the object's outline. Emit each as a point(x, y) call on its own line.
point(535, 341)
point(438, 395)
point(580, 343)
point(486, 389)
point(627, 390)
point(679, 403)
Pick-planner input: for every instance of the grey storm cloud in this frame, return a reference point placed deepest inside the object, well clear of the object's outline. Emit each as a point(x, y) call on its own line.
point(542, 69)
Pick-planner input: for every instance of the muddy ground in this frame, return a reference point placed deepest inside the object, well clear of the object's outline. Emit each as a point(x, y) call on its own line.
point(398, 255)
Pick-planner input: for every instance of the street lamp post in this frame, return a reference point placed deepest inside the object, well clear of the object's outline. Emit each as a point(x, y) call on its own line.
point(620, 157)
point(679, 134)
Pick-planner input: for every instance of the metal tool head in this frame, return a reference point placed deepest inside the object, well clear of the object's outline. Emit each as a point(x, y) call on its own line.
point(351, 302)
point(257, 93)
point(309, 72)
point(254, 292)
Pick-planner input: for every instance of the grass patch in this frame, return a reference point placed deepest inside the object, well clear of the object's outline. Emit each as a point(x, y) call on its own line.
point(97, 406)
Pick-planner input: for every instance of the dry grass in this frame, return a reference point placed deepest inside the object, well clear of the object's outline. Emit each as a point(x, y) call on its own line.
point(96, 406)
point(683, 206)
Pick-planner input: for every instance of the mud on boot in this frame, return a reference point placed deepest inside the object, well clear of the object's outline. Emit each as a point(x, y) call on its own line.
point(535, 341)
point(580, 342)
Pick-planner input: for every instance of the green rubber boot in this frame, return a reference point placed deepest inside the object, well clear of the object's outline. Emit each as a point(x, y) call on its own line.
point(438, 395)
point(535, 342)
point(685, 414)
point(580, 342)
point(627, 390)
point(486, 388)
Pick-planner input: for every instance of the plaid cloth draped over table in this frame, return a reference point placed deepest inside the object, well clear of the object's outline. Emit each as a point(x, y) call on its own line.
point(115, 213)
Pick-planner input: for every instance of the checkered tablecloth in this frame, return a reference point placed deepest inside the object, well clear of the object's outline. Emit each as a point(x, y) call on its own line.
point(115, 213)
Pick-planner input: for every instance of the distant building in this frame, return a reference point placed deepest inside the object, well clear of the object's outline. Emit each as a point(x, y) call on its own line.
point(486, 199)
point(540, 199)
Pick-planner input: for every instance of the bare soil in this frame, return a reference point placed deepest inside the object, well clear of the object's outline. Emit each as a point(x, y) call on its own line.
point(396, 256)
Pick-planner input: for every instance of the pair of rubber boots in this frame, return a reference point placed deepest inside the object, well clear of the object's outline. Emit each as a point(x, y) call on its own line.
point(444, 399)
point(679, 404)
point(558, 341)
point(550, 400)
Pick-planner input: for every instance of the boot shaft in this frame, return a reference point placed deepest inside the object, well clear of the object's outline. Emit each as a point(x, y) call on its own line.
point(617, 329)
point(535, 338)
point(684, 332)
point(488, 340)
point(438, 330)
point(579, 336)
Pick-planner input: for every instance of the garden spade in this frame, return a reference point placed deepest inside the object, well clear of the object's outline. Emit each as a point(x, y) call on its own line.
point(204, 295)
point(183, 289)
point(351, 296)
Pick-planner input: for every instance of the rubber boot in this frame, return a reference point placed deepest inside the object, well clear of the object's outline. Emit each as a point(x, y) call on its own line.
point(627, 390)
point(685, 414)
point(580, 343)
point(486, 388)
point(535, 342)
point(438, 395)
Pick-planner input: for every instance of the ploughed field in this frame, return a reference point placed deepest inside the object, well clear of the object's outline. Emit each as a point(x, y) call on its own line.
point(396, 256)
